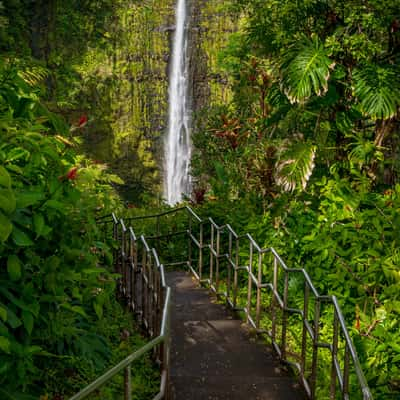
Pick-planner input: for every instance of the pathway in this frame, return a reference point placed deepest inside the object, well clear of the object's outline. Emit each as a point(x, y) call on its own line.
point(213, 355)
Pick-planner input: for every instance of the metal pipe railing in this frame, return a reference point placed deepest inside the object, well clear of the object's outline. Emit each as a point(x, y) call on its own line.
point(143, 287)
point(268, 298)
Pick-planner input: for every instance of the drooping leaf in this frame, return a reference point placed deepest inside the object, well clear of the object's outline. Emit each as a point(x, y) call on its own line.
point(5, 344)
point(38, 223)
point(7, 201)
point(14, 267)
point(306, 70)
point(3, 313)
point(5, 228)
point(21, 238)
point(377, 88)
point(28, 321)
point(12, 319)
point(5, 179)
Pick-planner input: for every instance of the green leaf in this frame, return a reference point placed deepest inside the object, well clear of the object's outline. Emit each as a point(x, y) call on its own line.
point(7, 201)
point(28, 321)
point(38, 223)
point(33, 306)
point(14, 267)
point(12, 319)
point(5, 179)
point(3, 313)
point(306, 70)
point(378, 90)
point(56, 205)
point(6, 228)
point(29, 198)
point(98, 308)
point(76, 309)
point(5, 344)
point(21, 238)
point(295, 166)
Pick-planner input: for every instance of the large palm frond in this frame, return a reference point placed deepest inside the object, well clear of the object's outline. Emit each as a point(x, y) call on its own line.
point(295, 166)
point(378, 90)
point(306, 70)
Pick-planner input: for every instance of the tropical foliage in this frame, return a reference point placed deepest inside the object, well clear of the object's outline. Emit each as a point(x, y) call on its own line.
point(56, 284)
point(306, 154)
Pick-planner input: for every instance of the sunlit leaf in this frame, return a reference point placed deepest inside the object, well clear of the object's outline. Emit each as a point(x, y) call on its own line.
point(306, 70)
point(295, 166)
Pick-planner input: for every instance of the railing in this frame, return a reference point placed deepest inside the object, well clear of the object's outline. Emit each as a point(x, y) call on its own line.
point(143, 287)
point(253, 281)
point(220, 258)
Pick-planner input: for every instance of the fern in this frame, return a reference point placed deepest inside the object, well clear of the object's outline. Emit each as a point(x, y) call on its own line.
point(33, 75)
point(295, 166)
point(306, 70)
point(378, 91)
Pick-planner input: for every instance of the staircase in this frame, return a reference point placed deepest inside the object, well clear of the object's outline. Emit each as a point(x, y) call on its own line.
point(209, 322)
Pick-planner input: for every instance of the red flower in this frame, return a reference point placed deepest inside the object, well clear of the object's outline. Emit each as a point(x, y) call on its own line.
point(82, 121)
point(72, 173)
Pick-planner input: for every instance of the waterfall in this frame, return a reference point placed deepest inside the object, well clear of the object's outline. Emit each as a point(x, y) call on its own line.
point(177, 145)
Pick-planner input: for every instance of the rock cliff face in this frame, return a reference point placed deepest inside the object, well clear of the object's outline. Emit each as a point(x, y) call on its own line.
point(140, 64)
point(119, 77)
point(134, 104)
point(211, 26)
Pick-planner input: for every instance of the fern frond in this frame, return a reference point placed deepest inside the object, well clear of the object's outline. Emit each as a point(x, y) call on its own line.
point(295, 166)
point(378, 90)
point(33, 75)
point(306, 70)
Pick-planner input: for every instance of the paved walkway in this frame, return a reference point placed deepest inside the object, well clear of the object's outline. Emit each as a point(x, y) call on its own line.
point(213, 356)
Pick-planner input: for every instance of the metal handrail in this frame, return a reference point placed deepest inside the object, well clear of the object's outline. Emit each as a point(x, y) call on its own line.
point(272, 282)
point(143, 286)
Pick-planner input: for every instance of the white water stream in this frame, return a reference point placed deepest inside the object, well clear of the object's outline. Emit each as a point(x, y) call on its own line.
point(177, 145)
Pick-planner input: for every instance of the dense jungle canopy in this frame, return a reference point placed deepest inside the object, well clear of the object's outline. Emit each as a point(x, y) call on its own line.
point(295, 140)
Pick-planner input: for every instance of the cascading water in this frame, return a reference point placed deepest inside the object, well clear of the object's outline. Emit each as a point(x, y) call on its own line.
point(178, 146)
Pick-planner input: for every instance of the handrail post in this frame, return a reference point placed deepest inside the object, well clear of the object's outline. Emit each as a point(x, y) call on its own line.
point(335, 341)
point(212, 254)
point(217, 261)
point(305, 332)
point(127, 383)
point(259, 283)
point(235, 273)
point(190, 241)
point(284, 314)
point(201, 253)
point(314, 364)
point(229, 266)
point(273, 300)
point(249, 283)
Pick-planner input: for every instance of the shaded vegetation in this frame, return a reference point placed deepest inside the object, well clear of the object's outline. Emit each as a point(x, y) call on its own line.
point(305, 156)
